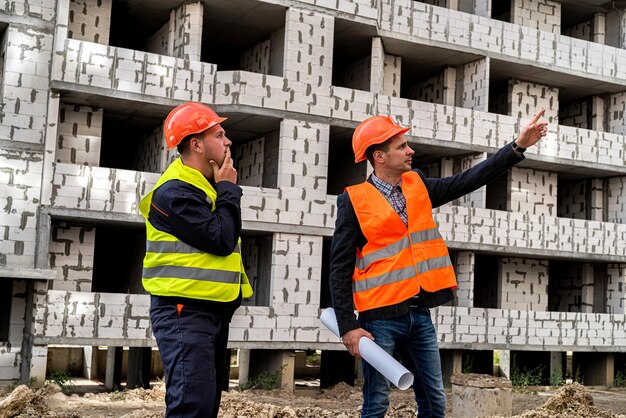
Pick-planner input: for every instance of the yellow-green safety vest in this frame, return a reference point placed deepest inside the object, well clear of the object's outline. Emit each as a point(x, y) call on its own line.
point(174, 268)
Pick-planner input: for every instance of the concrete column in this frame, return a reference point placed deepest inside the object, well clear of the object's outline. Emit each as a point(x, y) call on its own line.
point(598, 122)
point(505, 363)
point(599, 28)
point(447, 167)
point(385, 71)
point(449, 86)
point(586, 303)
point(596, 200)
point(614, 24)
point(557, 372)
point(243, 360)
point(451, 364)
point(113, 373)
point(37, 366)
point(90, 362)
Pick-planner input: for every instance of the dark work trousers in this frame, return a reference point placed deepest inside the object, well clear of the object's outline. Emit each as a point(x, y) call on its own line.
point(192, 344)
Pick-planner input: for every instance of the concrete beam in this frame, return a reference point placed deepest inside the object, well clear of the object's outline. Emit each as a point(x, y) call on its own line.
point(28, 274)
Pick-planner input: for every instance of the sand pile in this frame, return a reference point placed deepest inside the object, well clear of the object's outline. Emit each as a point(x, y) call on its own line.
point(571, 401)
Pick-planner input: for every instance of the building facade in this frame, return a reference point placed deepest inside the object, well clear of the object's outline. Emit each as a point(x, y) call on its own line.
point(540, 253)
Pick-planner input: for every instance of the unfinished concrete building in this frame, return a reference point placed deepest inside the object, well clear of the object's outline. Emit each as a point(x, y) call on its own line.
point(540, 254)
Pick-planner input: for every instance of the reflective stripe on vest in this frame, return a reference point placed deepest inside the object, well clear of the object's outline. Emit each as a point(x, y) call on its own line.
point(397, 261)
point(405, 242)
point(174, 268)
point(178, 247)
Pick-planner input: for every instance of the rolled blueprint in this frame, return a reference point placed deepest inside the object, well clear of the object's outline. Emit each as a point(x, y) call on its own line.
point(388, 366)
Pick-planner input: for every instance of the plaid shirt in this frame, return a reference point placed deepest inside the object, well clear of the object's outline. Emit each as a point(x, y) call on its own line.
point(394, 196)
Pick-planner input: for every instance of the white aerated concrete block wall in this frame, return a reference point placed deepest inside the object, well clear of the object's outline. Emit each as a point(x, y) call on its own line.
point(79, 135)
point(25, 84)
point(392, 75)
point(309, 47)
point(356, 75)
point(524, 284)
point(573, 200)
point(159, 41)
point(465, 261)
point(583, 30)
point(616, 288)
point(544, 15)
point(257, 58)
point(528, 98)
point(576, 114)
point(99, 188)
point(473, 85)
point(94, 318)
point(525, 329)
point(615, 113)
point(20, 188)
point(90, 20)
point(616, 200)
point(303, 162)
point(386, 69)
point(533, 191)
point(135, 71)
point(71, 252)
point(186, 31)
point(41, 9)
point(152, 155)
point(430, 90)
point(248, 159)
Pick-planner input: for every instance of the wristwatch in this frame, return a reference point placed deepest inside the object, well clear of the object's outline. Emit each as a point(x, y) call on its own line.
point(517, 148)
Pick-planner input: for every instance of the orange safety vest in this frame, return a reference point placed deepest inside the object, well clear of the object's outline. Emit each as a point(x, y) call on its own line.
point(397, 261)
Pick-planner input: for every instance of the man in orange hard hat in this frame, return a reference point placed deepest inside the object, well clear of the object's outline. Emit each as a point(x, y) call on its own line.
point(193, 267)
point(389, 261)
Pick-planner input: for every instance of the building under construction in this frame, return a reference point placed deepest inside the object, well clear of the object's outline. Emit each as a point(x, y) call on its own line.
point(540, 253)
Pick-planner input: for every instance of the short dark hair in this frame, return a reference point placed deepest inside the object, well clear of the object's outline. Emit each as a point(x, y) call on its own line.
point(184, 144)
point(369, 152)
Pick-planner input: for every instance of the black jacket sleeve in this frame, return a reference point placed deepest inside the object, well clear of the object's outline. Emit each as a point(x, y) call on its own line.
point(342, 259)
point(184, 211)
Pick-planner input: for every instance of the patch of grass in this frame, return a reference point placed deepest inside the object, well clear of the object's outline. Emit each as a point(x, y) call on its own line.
point(620, 380)
point(523, 378)
point(61, 378)
point(557, 378)
point(264, 380)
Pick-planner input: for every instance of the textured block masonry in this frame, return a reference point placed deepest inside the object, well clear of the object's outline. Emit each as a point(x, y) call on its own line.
point(288, 175)
point(90, 20)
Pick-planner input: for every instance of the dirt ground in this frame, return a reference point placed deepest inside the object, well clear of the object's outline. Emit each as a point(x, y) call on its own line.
point(341, 401)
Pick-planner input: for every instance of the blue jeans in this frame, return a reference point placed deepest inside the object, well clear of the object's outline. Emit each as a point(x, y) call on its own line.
point(414, 339)
point(192, 345)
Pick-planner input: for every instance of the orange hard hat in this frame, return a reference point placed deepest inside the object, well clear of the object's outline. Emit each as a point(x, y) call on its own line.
point(372, 131)
point(187, 119)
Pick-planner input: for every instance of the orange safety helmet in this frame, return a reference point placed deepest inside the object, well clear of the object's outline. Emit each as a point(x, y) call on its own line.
point(187, 119)
point(372, 131)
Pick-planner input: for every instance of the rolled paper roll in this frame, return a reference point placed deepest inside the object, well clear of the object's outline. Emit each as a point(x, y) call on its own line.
point(371, 352)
